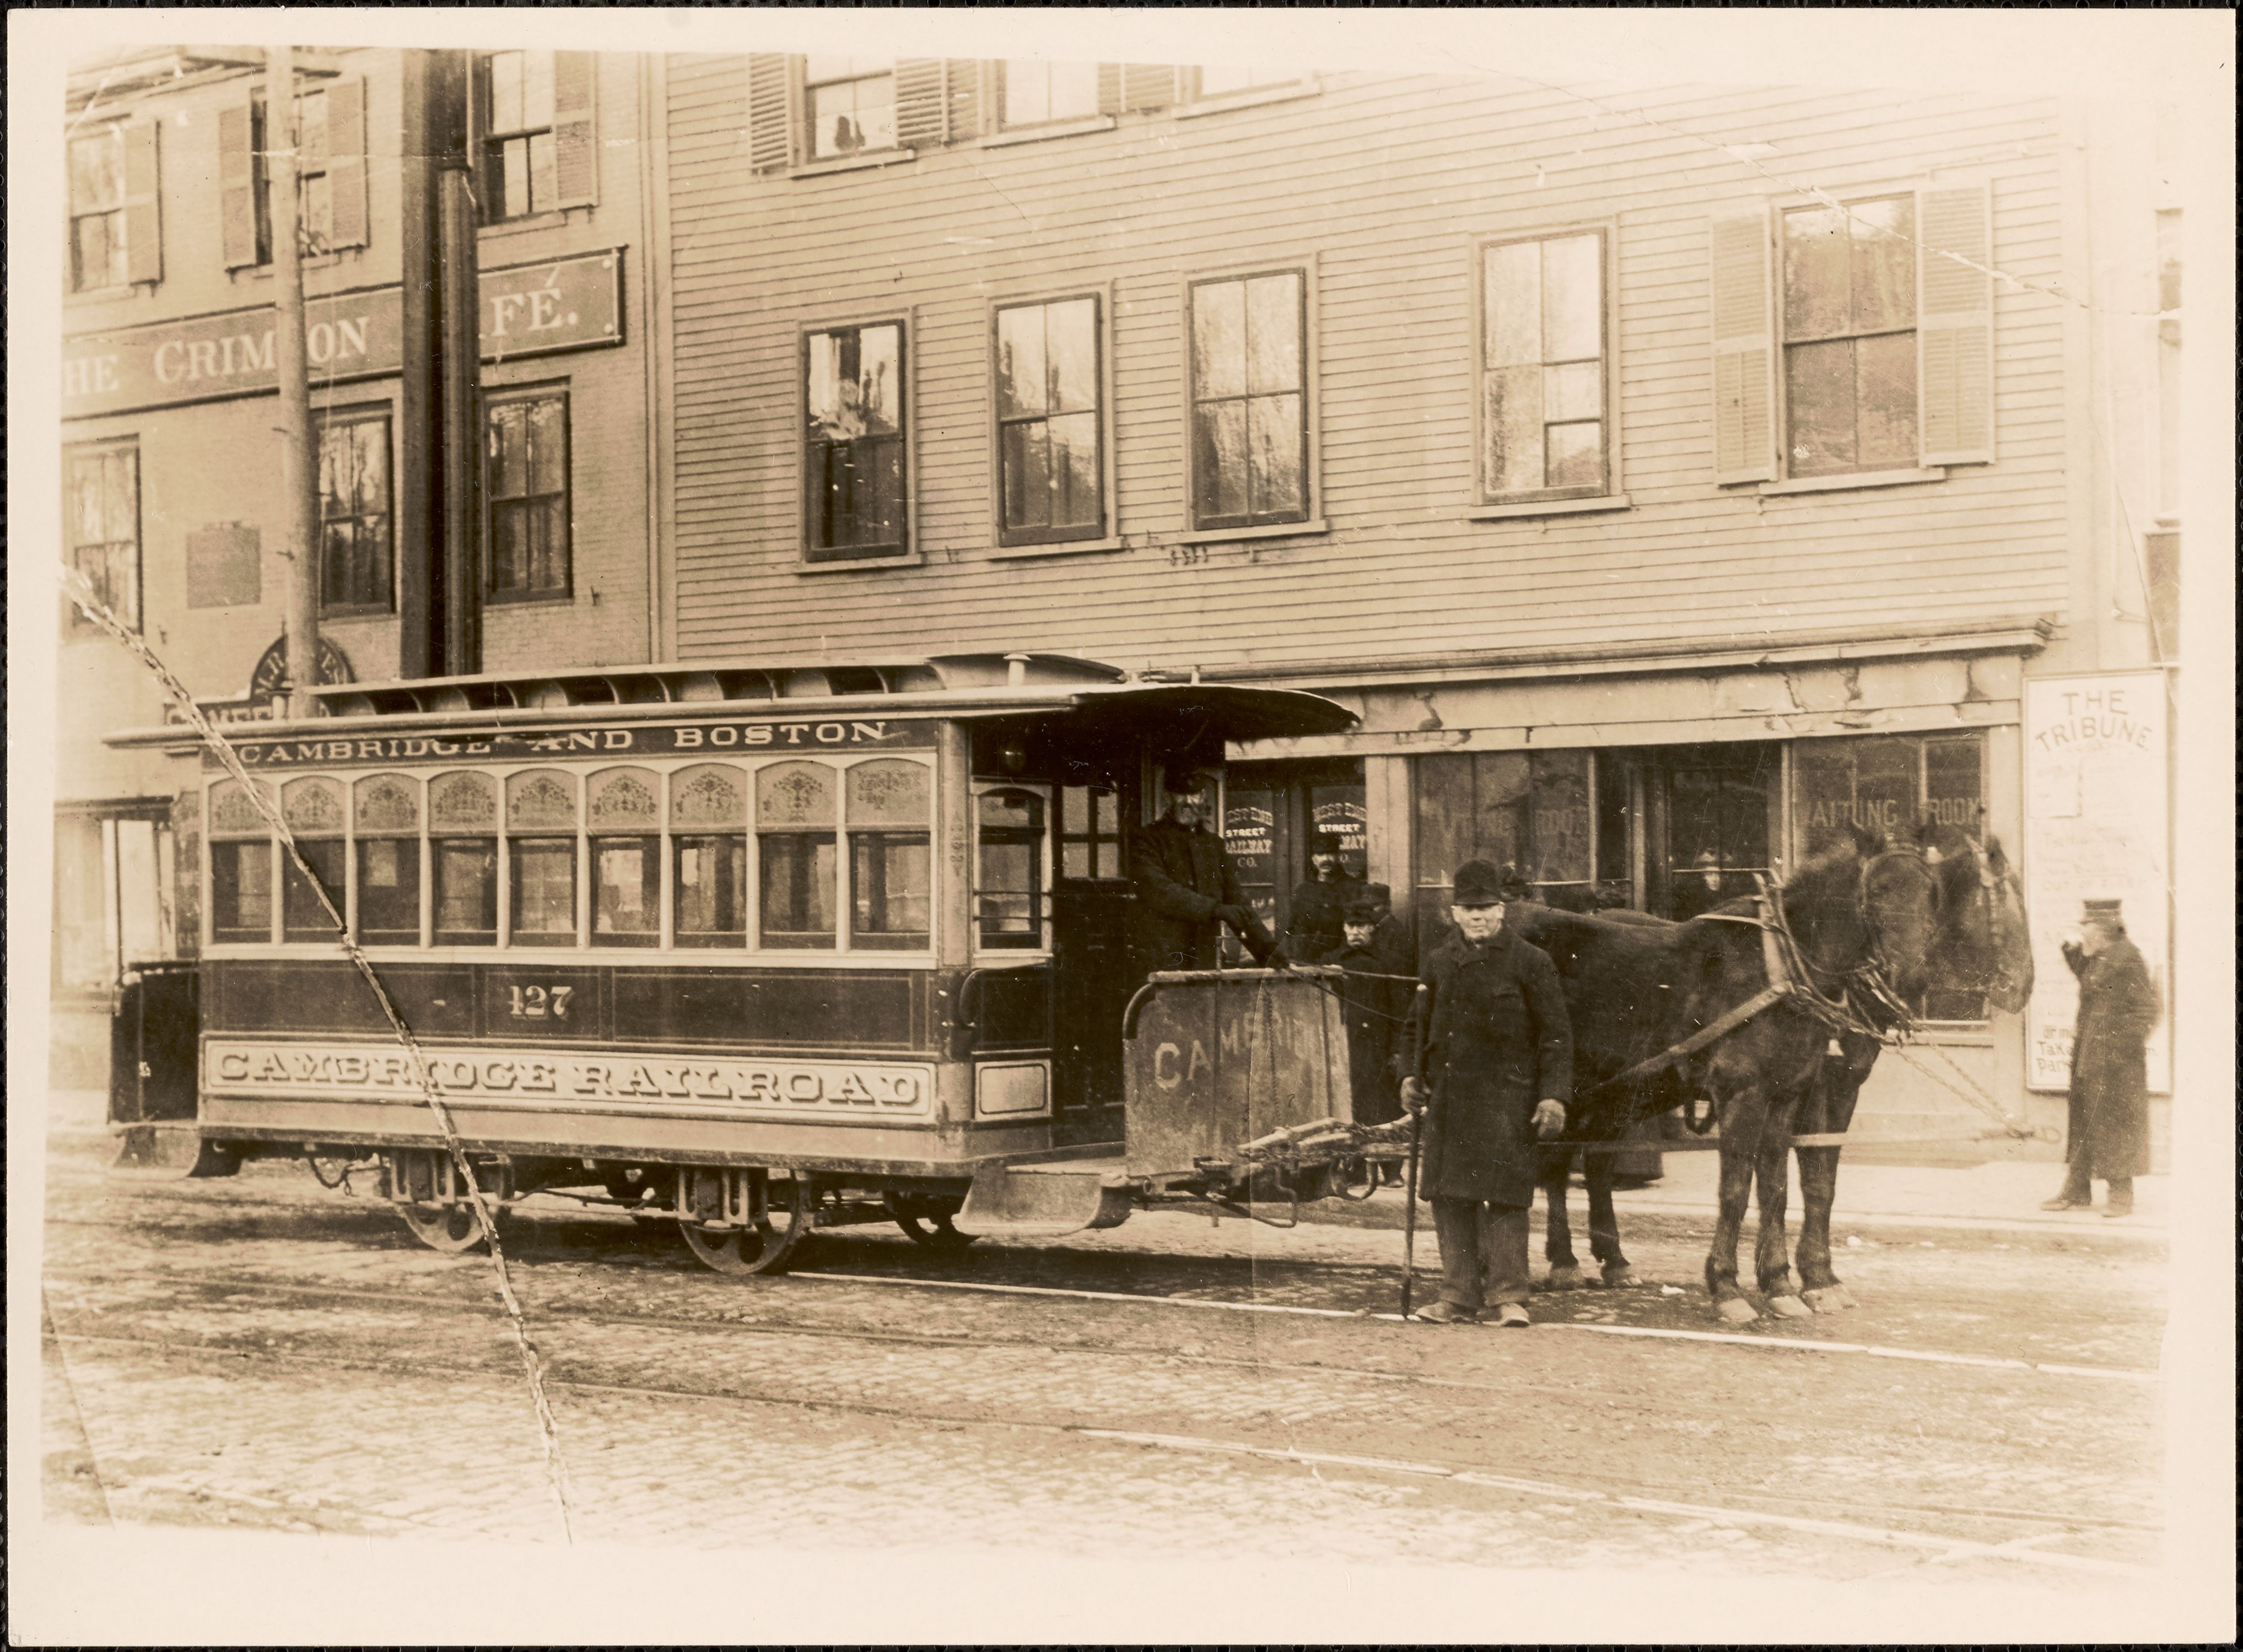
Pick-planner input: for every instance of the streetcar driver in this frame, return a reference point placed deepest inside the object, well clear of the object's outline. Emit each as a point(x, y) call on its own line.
point(1494, 1062)
point(1187, 888)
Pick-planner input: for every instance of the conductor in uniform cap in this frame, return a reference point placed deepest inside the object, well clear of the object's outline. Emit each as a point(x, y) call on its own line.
point(1187, 890)
point(2108, 1131)
point(1494, 1062)
point(1373, 1001)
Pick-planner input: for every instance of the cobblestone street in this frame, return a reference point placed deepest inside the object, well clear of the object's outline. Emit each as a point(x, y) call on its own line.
point(258, 1353)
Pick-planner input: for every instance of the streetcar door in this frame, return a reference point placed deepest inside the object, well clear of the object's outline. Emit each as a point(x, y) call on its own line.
point(1091, 963)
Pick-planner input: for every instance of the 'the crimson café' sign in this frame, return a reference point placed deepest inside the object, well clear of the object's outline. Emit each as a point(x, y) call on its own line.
point(532, 309)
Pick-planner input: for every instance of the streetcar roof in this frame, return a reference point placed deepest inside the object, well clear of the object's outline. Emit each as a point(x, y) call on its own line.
point(966, 686)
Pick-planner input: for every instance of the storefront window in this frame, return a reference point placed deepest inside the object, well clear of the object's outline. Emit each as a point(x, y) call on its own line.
point(1887, 784)
point(1538, 813)
point(1720, 802)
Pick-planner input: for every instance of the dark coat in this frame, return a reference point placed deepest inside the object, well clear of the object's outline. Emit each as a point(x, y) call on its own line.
point(2110, 1111)
point(1315, 924)
point(1496, 1041)
point(1182, 875)
point(1396, 943)
point(1373, 1009)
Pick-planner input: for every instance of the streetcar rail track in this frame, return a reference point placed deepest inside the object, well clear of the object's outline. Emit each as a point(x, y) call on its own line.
point(1945, 1546)
point(598, 1318)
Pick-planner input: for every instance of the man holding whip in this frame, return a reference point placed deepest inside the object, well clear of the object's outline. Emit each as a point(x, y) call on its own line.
point(1494, 1060)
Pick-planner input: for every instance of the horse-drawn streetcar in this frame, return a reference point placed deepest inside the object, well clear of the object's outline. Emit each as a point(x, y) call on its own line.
point(752, 950)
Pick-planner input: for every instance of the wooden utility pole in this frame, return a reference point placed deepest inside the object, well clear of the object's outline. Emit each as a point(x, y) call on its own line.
point(298, 473)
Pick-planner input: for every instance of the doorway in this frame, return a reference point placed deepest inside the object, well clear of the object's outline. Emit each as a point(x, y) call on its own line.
point(1271, 813)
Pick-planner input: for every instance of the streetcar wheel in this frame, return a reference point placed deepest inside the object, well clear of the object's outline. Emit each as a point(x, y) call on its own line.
point(766, 1244)
point(935, 1232)
point(451, 1229)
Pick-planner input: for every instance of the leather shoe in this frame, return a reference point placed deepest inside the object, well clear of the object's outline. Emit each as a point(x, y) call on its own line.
point(2065, 1202)
point(1511, 1316)
point(1445, 1312)
point(2110, 1211)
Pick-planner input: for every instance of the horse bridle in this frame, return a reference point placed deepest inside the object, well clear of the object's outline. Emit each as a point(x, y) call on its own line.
point(1870, 975)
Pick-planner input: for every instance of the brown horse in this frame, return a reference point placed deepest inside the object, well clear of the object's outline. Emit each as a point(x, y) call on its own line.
point(1637, 985)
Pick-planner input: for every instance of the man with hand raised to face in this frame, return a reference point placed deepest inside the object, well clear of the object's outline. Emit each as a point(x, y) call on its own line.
point(1494, 1062)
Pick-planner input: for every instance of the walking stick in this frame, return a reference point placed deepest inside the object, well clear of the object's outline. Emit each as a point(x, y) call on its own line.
point(1410, 1210)
point(1417, 1141)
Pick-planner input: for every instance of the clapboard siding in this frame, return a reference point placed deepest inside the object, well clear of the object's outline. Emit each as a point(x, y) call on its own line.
point(1386, 183)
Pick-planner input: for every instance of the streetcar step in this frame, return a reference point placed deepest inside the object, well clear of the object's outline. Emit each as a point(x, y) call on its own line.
point(1041, 1200)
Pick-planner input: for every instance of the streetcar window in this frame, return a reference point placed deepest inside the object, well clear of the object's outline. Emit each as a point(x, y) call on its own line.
point(463, 822)
point(891, 886)
point(889, 891)
point(303, 916)
point(711, 877)
point(709, 871)
point(1008, 876)
point(626, 891)
point(467, 891)
point(541, 907)
point(541, 876)
point(313, 809)
point(795, 819)
point(241, 891)
point(241, 864)
point(387, 816)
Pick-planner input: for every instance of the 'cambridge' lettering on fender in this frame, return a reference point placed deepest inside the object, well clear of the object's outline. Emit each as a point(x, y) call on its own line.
point(604, 1082)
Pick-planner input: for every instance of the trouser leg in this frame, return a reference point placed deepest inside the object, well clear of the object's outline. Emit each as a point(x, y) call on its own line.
point(2121, 1190)
point(1503, 1253)
point(2077, 1183)
point(1455, 1222)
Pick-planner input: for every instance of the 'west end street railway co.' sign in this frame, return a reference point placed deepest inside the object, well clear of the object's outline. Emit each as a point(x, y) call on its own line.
point(533, 309)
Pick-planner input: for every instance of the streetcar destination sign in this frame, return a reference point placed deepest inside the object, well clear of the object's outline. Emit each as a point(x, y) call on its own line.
point(603, 1082)
point(730, 737)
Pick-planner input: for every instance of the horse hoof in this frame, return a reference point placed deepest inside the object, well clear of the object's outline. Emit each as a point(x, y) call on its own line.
point(1789, 1307)
point(1621, 1277)
point(1830, 1299)
point(1736, 1310)
point(1564, 1278)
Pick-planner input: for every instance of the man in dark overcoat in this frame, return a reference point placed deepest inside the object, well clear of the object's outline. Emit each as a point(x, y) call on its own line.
point(1186, 889)
point(1495, 1063)
point(1373, 1003)
point(1320, 902)
point(2107, 1135)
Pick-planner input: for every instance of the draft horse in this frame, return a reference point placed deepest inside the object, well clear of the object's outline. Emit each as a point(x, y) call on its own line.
point(1873, 922)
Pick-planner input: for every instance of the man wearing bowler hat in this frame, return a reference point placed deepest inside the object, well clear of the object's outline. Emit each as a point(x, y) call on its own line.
point(2107, 1135)
point(1320, 902)
point(1494, 1063)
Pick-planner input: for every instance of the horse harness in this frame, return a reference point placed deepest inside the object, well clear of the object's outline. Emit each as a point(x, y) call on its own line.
point(1791, 979)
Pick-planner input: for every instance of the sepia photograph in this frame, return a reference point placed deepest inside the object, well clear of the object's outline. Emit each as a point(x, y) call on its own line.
point(876, 826)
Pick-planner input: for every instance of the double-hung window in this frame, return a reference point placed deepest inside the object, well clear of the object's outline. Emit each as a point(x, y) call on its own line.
point(526, 435)
point(1854, 339)
point(97, 211)
point(313, 808)
point(385, 822)
point(851, 103)
point(331, 198)
point(539, 153)
point(104, 524)
point(1545, 387)
point(1249, 400)
point(1849, 283)
point(541, 849)
point(1050, 413)
point(354, 513)
point(854, 461)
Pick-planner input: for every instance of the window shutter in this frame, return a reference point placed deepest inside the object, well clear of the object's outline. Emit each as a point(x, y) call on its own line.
point(346, 161)
point(771, 116)
point(1955, 324)
point(1148, 85)
point(237, 186)
point(1109, 88)
point(921, 104)
point(144, 221)
point(1744, 351)
point(962, 78)
point(576, 135)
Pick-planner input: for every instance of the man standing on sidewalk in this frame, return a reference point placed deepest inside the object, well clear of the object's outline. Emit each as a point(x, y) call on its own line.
point(2108, 1133)
point(1495, 1060)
